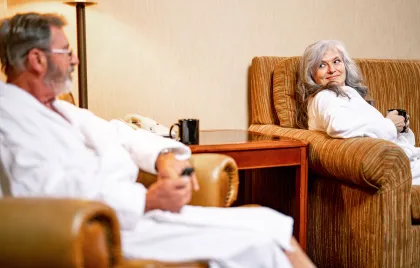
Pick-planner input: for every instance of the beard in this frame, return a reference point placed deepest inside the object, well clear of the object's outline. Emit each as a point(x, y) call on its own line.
point(59, 82)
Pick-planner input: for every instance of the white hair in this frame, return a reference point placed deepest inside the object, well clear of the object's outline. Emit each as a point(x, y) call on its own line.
point(308, 88)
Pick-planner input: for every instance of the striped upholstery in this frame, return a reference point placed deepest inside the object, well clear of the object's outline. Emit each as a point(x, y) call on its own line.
point(415, 199)
point(284, 86)
point(415, 238)
point(261, 73)
point(363, 210)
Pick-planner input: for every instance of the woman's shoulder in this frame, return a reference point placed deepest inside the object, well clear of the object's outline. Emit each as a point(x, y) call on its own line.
point(351, 92)
point(324, 95)
point(322, 99)
point(328, 94)
point(348, 89)
point(327, 99)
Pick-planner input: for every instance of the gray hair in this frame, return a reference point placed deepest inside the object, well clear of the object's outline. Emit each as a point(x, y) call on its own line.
point(22, 33)
point(307, 88)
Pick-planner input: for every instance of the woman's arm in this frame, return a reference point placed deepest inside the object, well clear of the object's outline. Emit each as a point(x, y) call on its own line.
point(342, 117)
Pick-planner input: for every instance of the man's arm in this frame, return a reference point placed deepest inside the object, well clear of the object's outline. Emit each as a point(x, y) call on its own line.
point(37, 171)
point(143, 146)
point(145, 149)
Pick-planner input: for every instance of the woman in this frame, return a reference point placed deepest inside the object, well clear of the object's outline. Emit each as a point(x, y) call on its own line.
point(331, 98)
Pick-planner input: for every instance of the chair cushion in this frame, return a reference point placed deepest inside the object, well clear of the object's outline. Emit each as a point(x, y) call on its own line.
point(284, 86)
point(415, 203)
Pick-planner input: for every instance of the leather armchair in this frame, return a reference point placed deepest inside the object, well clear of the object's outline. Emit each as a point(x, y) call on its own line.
point(51, 232)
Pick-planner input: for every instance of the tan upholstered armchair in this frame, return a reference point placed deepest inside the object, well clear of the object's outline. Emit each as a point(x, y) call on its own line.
point(39, 232)
point(362, 209)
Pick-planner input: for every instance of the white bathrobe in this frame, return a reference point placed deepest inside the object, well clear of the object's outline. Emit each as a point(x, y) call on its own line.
point(341, 117)
point(83, 156)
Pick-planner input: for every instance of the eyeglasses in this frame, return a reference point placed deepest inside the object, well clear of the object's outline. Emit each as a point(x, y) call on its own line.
point(69, 52)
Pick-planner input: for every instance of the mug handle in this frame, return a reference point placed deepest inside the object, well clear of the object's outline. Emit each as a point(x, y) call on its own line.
point(170, 130)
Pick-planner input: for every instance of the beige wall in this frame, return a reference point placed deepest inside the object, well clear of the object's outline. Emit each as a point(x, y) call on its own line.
point(3, 7)
point(169, 59)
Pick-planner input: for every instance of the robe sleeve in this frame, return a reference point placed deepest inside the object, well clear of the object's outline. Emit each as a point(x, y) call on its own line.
point(35, 171)
point(341, 118)
point(143, 146)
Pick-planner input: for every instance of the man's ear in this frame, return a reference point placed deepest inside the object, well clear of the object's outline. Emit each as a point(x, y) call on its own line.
point(37, 61)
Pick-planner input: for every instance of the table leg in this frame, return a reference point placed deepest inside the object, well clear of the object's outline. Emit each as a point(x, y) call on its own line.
point(248, 181)
point(301, 210)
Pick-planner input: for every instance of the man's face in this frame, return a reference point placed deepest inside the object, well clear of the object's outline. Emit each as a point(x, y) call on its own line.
point(61, 63)
point(331, 69)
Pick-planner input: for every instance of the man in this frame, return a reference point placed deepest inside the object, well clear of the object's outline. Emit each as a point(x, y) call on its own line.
point(52, 148)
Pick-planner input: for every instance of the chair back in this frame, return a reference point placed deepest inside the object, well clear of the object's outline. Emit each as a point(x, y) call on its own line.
point(66, 97)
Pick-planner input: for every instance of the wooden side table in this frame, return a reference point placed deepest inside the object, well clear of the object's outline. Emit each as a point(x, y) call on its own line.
point(252, 150)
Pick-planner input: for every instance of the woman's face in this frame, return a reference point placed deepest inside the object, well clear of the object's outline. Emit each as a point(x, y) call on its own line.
point(331, 69)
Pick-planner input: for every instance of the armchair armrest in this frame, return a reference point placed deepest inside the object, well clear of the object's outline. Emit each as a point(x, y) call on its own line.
point(365, 162)
point(218, 178)
point(49, 232)
point(158, 264)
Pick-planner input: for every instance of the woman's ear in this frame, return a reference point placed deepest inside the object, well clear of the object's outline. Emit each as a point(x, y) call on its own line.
point(36, 61)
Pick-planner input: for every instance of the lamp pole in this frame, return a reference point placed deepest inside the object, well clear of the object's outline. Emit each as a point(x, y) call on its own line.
point(81, 48)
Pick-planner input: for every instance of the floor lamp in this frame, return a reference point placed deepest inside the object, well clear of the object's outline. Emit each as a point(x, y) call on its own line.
point(81, 48)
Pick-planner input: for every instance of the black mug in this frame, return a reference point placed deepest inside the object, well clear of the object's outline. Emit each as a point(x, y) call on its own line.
point(189, 131)
point(403, 113)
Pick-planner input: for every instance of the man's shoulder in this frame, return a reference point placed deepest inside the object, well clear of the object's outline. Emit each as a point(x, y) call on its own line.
point(13, 97)
point(13, 102)
point(69, 107)
point(77, 116)
point(66, 105)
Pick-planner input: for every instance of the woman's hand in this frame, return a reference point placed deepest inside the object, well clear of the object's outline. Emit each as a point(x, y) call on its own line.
point(407, 124)
point(398, 120)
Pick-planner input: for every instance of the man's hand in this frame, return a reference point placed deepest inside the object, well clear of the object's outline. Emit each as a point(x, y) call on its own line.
point(398, 120)
point(169, 195)
point(168, 167)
